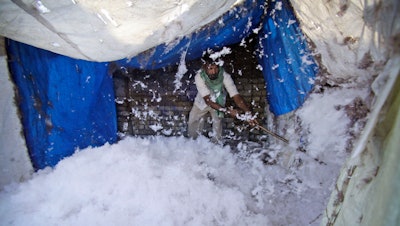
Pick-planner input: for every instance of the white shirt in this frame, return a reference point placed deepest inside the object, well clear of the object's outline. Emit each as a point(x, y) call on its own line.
point(203, 90)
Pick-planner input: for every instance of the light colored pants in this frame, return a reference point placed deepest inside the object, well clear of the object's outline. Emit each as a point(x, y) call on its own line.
point(196, 122)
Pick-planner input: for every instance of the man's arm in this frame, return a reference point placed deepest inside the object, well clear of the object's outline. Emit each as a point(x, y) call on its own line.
point(239, 101)
point(231, 111)
point(213, 104)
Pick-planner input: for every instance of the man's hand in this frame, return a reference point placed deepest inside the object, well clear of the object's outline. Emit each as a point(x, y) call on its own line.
point(248, 117)
point(253, 122)
point(251, 119)
point(233, 112)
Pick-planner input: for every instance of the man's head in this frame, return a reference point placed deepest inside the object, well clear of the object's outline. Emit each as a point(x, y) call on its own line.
point(210, 66)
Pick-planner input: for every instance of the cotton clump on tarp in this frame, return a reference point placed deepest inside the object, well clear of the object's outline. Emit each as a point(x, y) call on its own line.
point(66, 104)
point(288, 66)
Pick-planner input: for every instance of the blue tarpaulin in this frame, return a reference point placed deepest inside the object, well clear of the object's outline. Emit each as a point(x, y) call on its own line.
point(65, 103)
point(233, 26)
point(68, 104)
point(288, 66)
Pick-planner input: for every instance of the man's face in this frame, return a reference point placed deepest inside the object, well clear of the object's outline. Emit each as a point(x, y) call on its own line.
point(212, 71)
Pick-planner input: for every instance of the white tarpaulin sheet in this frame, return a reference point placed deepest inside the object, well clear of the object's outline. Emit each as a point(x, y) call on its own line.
point(97, 30)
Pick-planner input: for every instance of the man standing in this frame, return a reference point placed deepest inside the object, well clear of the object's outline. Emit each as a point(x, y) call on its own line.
point(212, 84)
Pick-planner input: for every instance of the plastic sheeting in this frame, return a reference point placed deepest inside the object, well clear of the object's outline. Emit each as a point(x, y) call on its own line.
point(103, 31)
point(368, 186)
point(231, 28)
point(288, 66)
point(66, 104)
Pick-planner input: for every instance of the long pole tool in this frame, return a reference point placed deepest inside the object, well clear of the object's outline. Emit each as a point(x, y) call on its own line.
point(272, 133)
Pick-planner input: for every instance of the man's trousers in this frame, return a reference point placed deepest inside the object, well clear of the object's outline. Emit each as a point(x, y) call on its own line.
point(196, 122)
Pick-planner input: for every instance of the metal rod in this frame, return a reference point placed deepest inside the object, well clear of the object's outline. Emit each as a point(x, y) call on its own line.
point(273, 134)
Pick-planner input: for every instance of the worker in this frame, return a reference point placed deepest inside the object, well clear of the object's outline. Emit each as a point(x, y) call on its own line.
point(213, 83)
